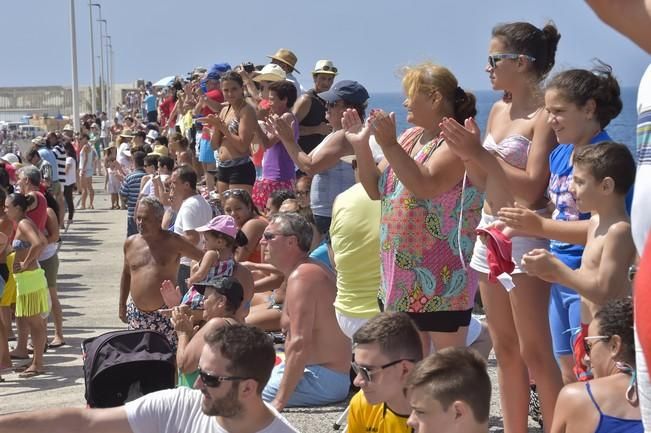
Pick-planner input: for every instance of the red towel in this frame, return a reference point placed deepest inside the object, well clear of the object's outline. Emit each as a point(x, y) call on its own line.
point(642, 298)
point(499, 252)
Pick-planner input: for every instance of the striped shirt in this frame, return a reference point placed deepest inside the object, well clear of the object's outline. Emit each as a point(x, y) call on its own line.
point(60, 155)
point(131, 189)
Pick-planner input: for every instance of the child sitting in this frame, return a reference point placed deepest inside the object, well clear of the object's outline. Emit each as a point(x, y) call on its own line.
point(221, 238)
point(603, 174)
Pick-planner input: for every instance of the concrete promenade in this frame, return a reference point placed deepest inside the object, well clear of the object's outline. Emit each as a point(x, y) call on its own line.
point(89, 277)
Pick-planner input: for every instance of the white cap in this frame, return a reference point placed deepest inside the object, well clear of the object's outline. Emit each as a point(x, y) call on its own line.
point(10, 158)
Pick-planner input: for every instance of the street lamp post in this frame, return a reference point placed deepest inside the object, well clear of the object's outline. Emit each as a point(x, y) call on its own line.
point(102, 83)
point(93, 97)
point(109, 92)
point(75, 83)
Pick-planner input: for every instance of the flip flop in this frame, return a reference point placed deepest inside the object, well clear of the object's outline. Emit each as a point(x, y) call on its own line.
point(31, 373)
point(54, 346)
point(21, 368)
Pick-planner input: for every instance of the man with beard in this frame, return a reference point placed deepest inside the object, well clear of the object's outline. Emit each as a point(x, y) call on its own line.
point(235, 365)
point(151, 257)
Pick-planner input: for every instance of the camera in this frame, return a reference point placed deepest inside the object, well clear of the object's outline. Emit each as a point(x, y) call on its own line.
point(248, 67)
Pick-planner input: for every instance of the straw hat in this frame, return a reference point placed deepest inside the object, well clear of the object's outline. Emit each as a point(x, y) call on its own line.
point(159, 150)
point(127, 133)
point(287, 57)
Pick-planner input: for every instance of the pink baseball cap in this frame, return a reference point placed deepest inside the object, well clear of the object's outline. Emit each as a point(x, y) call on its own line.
point(223, 223)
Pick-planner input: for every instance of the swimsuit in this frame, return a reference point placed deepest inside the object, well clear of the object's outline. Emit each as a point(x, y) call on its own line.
point(513, 149)
point(152, 320)
point(18, 244)
point(612, 424)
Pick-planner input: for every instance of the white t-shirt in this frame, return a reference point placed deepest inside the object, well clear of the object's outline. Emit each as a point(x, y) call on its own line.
point(123, 154)
point(148, 190)
point(195, 212)
point(179, 411)
point(71, 167)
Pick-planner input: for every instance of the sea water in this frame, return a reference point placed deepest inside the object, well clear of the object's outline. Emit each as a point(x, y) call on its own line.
point(621, 129)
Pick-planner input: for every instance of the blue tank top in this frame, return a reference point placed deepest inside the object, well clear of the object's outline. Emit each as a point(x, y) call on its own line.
point(327, 185)
point(560, 178)
point(611, 424)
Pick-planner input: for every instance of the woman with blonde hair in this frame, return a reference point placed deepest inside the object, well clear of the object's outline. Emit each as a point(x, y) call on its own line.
point(429, 208)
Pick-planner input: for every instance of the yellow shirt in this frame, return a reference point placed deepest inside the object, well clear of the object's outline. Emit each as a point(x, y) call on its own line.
point(374, 418)
point(355, 236)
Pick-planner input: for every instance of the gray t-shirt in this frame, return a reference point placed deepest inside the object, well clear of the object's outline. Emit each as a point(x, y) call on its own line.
point(179, 411)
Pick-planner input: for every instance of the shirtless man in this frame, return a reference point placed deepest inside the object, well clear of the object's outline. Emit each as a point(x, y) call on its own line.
point(317, 353)
point(150, 257)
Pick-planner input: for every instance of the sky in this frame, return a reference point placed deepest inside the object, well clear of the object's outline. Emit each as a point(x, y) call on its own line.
point(368, 41)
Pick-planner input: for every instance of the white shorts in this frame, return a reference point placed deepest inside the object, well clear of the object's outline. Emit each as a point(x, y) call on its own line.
point(521, 245)
point(349, 325)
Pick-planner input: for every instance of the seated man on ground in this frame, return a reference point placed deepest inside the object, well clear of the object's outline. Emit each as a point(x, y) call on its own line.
point(317, 354)
point(450, 392)
point(222, 296)
point(150, 257)
point(235, 363)
point(386, 349)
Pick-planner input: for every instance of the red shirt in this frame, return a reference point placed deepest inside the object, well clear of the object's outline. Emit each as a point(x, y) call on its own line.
point(166, 108)
point(39, 213)
point(214, 95)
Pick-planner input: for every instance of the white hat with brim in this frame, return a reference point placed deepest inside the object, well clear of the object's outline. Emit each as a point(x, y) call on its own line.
point(68, 127)
point(11, 158)
point(325, 67)
point(271, 72)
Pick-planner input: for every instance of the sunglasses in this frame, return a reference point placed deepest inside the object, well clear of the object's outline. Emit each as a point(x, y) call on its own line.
point(597, 338)
point(214, 381)
point(331, 104)
point(494, 58)
point(367, 373)
point(267, 236)
point(328, 68)
point(237, 191)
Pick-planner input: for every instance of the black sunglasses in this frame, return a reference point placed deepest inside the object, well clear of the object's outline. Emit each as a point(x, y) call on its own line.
point(214, 381)
point(494, 58)
point(367, 373)
point(267, 236)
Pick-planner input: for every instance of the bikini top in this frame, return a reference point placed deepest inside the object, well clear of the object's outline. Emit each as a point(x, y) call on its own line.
point(513, 149)
point(612, 424)
point(234, 125)
point(17, 244)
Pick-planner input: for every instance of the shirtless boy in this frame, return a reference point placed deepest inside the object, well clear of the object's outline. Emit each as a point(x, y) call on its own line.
point(150, 257)
point(603, 174)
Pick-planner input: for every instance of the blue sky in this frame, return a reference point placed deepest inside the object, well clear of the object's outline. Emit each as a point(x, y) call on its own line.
point(368, 41)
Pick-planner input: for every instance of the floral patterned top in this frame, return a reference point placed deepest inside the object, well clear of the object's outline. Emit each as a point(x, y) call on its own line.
point(421, 241)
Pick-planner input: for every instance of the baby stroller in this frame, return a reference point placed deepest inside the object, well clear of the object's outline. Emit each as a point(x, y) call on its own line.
point(121, 366)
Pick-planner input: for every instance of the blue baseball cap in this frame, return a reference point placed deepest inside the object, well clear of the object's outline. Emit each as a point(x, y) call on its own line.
point(217, 70)
point(348, 90)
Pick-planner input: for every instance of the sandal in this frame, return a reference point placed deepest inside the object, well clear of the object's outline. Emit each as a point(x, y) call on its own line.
point(30, 373)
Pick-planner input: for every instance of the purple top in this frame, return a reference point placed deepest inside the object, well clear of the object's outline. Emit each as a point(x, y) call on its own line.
point(277, 164)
